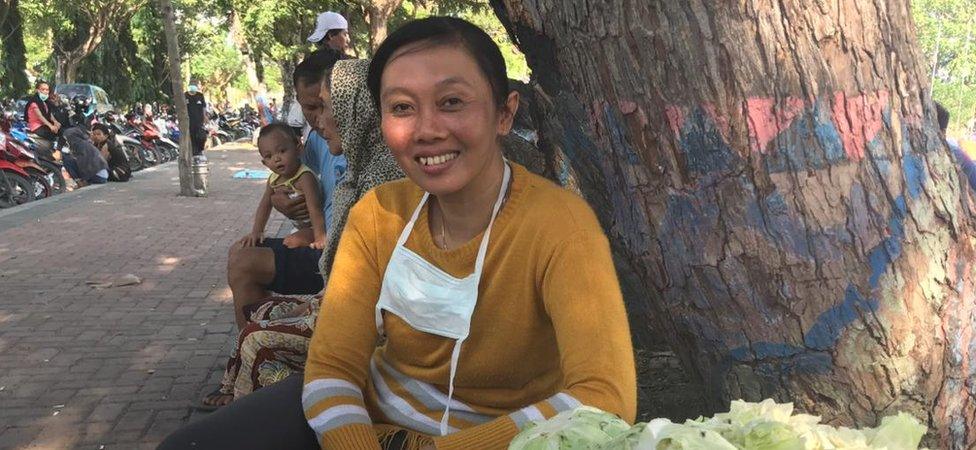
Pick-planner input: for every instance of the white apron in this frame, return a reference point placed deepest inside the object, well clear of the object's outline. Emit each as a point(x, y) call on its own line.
point(431, 300)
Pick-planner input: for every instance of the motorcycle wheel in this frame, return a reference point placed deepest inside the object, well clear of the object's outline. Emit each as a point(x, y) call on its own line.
point(165, 152)
point(132, 153)
point(42, 185)
point(174, 152)
point(55, 178)
point(15, 190)
point(149, 156)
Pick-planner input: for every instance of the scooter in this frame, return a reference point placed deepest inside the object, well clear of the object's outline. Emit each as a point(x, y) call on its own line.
point(45, 167)
point(132, 147)
point(146, 153)
point(15, 185)
point(41, 179)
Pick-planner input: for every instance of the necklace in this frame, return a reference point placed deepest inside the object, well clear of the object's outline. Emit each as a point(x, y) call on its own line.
point(443, 245)
point(443, 240)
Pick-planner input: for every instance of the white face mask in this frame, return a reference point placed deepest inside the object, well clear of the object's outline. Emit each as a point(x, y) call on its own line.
point(431, 300)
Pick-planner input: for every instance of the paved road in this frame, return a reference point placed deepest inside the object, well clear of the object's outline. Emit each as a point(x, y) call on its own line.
point(118, 367)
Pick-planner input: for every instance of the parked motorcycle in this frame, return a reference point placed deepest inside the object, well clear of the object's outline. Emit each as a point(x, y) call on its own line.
point(44, 166)
point(132, 147)
point(15, 185)
point(40, 178)
point(148, 152)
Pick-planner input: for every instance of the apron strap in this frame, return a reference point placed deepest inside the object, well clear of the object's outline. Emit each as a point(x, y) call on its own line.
point(413, 220)
point(455, 355)
point(483, 249)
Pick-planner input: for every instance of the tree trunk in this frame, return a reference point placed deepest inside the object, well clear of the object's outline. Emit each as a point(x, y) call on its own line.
point(378, 13)
point(772, 180)
point(250, 68)
point(13, 79)
point(287, 66)
point(182, 116)
point(68, 61)
point(70, 70)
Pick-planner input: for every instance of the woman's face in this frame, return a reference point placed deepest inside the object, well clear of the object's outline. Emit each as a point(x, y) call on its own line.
point(327, 125)
point(439, 117)
point(44, 89)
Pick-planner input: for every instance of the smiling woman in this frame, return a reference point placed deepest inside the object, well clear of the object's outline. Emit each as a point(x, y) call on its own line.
point(494, 288)
point(491, 289)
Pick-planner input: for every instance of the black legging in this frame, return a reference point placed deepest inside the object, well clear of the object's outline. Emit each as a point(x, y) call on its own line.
point(198, 138)
point(266, 419)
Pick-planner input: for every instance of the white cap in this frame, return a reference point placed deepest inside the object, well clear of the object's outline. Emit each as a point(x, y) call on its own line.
point(325, 22)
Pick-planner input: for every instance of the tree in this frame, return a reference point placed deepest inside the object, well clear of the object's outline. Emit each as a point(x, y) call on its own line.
point(13, 80)
point(89, 21)
point(176, 80)
point(377, 14)
point(946, 37)
point(778, 198)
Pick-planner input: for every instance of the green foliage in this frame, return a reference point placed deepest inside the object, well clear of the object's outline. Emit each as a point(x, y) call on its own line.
point(477, 12)
point(947, 38)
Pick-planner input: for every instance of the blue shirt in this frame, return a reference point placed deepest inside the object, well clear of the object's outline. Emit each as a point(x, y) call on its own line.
point(265, 109)
point(330, 169)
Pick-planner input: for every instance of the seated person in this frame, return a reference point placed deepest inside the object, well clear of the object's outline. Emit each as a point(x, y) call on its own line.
point(274, 343)
point(280, 151)
point(39, 117)
point(111, 151)
point(465, 300)
point(254, 272)
point(83, 161)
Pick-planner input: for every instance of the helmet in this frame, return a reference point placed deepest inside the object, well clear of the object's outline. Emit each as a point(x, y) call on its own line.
point(80, 101)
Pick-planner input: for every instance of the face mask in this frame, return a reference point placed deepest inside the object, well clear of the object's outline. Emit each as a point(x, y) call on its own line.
point(193, 89)
point(42, 96)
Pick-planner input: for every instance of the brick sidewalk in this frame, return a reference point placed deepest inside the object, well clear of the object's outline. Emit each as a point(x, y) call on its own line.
point(118, 367)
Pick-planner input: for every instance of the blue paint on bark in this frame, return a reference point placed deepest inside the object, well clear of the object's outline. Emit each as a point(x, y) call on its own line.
point(825, 332)
point(703, 145)
point(618, 136)
point(811, 142)
point(914, 171)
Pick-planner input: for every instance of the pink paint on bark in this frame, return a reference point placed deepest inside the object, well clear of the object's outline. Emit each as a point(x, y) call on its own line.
point(676, 119)
point(627, 106)
point(859, 120)
point(767, 119)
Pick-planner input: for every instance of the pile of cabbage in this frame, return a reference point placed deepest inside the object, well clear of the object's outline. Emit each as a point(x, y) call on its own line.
point(747, 426)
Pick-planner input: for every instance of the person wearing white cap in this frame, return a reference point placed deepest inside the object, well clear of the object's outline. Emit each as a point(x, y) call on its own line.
point(331, 30)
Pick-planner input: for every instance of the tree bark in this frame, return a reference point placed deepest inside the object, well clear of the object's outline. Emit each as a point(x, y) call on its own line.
point(182, 116)
point(13, 79)
point(287, 67)
point(772, 180)
point(250, 68)
point(100, 17)
point(378, 13)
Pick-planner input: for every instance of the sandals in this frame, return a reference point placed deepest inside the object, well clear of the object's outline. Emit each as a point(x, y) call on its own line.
point(203, 406)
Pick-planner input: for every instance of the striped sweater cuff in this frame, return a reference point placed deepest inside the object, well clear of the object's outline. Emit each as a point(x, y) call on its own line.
point(496, 434)
point(351, 437)
point(332, 403)
point(500, 432)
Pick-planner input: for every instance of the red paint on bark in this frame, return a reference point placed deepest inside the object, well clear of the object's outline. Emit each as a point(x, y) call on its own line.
point(767, 119)
point(859, 120)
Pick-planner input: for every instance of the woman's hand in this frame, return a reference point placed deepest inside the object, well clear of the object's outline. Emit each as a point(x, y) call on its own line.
point(293, 208)
point(252, 239)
